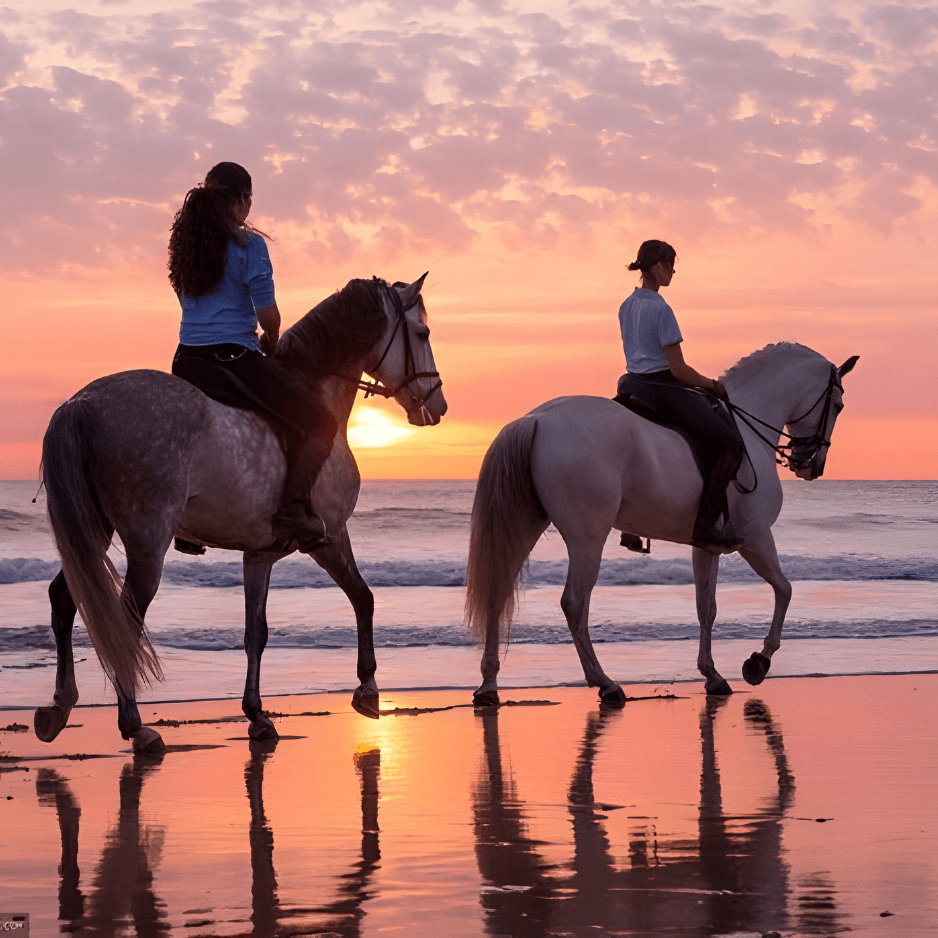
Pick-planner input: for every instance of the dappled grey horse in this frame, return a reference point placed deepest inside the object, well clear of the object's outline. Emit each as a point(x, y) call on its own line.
point(589, 465)
point(149, 456)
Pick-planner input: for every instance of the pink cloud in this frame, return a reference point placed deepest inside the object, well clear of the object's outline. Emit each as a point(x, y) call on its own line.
point(417, 128)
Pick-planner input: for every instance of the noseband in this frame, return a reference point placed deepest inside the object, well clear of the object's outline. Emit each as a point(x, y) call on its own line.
point(784, 452)
point(410, 366)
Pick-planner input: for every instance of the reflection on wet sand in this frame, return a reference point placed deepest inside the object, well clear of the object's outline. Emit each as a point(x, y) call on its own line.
point(121, 890)
point(121, 899)
point(341, 917)
point(733, 877)
point(53, 791)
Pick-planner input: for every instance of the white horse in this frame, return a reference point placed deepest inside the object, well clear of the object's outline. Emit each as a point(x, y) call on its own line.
point(148, 455)
point(588, 465)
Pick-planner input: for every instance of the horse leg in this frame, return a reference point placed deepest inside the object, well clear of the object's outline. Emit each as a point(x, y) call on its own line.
point(257, 569)
point(706, 566)
point(140, 585)
point(585, 558)
point(48, 722)
point(486, 695)
point(337, 559)
point(761, 555)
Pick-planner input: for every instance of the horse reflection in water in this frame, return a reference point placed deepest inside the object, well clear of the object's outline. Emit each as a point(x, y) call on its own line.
point(122, 898)
point(344, 915)
point(732, 878)
point(122, 888)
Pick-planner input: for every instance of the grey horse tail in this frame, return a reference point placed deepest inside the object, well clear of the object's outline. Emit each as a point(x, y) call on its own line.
point(82, 535)
point(507, 520)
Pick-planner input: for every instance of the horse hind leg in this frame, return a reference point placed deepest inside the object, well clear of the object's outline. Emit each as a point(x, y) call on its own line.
point(49, 721)
point(706, 566)
point(140, 585)
point(585, 558)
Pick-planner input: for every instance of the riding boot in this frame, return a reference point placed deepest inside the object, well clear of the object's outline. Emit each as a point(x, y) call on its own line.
point(295, 524)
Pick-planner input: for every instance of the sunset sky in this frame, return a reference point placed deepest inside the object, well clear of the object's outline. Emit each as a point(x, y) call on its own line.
point(520, 151)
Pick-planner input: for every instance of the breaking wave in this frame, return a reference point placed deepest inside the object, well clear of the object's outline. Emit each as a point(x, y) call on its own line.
point(302, 573)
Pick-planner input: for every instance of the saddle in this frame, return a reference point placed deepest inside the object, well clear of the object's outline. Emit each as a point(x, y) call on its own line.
point(630, 396)
point(210, 376)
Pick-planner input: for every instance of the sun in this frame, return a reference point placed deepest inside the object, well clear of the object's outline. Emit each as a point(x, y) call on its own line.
point(371, 428)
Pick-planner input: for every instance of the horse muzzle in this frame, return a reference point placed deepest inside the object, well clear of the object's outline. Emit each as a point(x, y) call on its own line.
point(425, 412)
point(429, 413)
point(812, 469)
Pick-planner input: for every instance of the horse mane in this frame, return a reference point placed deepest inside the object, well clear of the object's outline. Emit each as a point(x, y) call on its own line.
point(339, 331)
point(757, 360)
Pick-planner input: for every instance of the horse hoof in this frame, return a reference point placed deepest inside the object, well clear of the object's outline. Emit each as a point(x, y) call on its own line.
point(48, 722)
point(262, 728)
point(719, 688)
point(755, 668)
point(146, 739)
point(368, 705)
point(485, 698)
point(612, 696)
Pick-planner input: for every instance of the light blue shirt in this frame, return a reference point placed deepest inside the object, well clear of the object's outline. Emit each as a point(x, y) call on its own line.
point(647, 324)
point(229, 313)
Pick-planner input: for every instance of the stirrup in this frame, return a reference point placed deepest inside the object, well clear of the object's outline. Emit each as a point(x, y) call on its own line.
point(188, 547)
point(634, 543)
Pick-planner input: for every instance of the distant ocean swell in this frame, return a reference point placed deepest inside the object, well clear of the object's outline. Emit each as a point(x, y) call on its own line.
point(39, 638)
point(298, 573)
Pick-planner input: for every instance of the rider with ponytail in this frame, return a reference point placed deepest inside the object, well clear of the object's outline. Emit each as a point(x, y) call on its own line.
point(221, 271)
point(660, 379)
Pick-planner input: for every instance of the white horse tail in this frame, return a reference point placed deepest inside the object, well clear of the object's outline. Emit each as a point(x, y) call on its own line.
point(507, 520)
point(82, 535)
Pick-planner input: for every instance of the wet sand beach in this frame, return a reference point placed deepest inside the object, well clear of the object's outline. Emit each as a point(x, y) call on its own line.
point(804, 807)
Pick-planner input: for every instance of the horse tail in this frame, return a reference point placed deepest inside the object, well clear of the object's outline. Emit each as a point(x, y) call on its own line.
point(507, 520)
point(82, 536)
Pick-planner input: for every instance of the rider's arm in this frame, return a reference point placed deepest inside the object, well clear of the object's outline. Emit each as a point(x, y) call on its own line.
point(687, 375)
point(268, 319)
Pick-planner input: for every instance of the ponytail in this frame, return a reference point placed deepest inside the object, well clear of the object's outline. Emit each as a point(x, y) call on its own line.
point(651, 252)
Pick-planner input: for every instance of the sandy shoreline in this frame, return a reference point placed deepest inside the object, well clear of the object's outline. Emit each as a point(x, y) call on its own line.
point(808, 807)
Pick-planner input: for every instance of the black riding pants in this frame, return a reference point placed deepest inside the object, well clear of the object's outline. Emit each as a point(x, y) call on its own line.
point(721, 446)
point(240, 377)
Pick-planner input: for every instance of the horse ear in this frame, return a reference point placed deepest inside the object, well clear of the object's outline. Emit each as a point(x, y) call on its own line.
point(847, 366)
point(409, 294)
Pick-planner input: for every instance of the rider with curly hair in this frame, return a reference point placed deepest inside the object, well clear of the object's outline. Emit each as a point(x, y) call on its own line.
point(220, 268)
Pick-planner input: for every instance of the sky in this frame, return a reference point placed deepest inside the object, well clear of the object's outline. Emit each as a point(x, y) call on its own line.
point(520, 152)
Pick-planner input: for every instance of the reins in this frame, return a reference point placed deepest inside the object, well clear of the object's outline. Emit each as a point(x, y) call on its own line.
point(783, 451)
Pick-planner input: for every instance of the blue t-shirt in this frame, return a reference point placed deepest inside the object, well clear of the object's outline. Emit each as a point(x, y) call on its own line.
point(647, 324)
point(228, 314)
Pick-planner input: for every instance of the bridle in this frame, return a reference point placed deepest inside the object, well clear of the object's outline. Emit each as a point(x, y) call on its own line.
point(784, 452)
point(410, 366)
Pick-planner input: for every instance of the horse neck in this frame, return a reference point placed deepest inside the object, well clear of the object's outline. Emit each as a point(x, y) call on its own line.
point(769, 393)
point(339, 391)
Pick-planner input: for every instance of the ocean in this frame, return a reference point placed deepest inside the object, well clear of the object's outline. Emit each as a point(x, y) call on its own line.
point(862, 557)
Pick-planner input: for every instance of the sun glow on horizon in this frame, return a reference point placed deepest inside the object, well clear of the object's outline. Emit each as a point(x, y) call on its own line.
point(370, 428)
